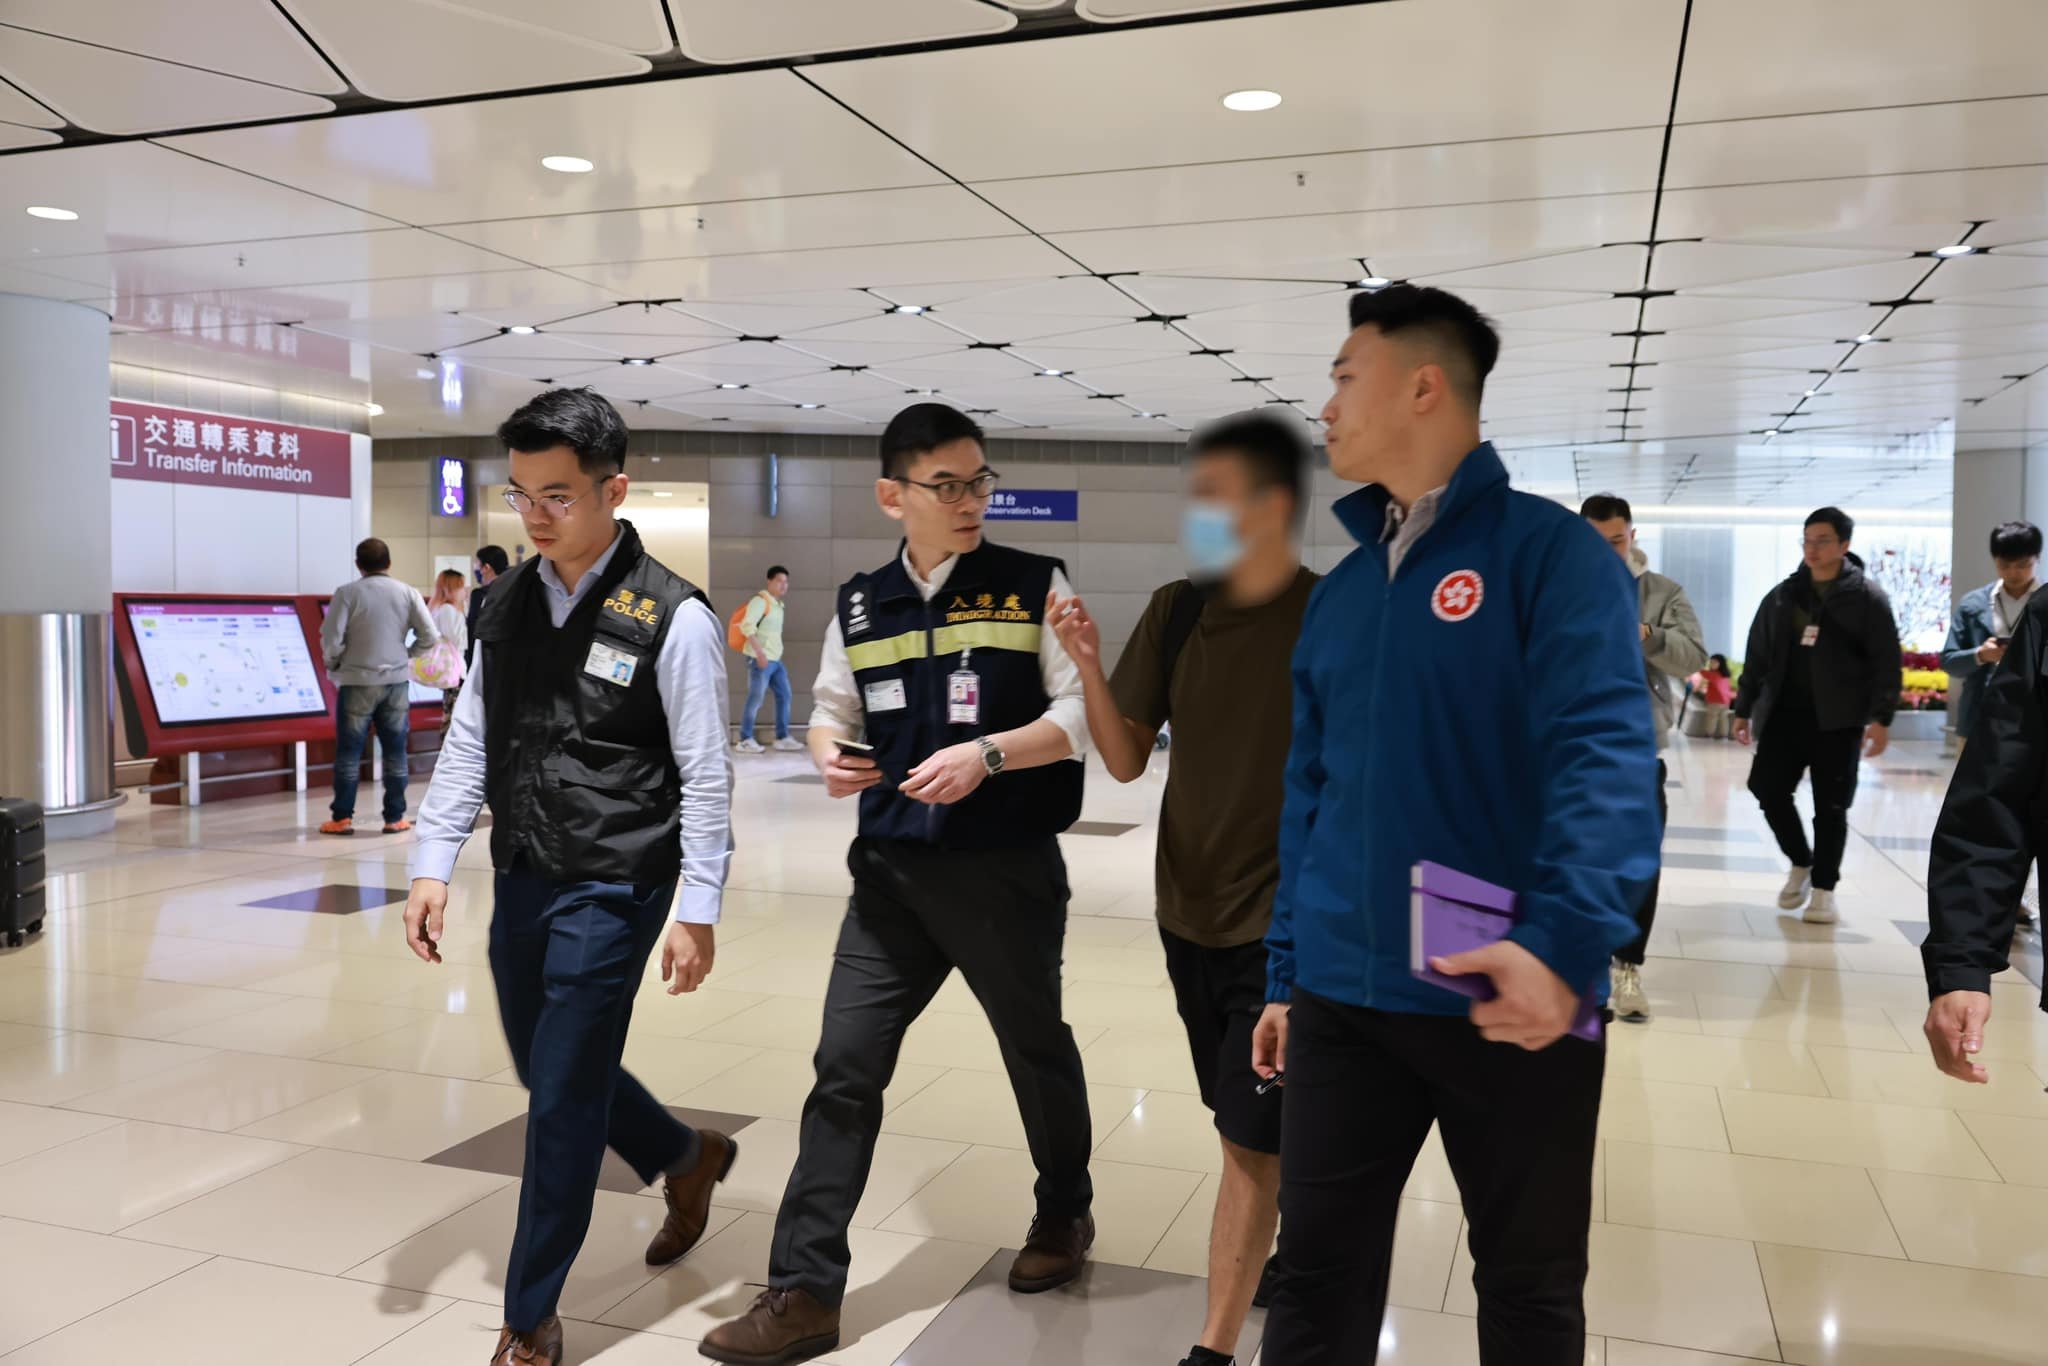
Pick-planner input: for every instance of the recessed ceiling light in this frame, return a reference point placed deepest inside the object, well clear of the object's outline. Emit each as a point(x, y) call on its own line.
point(810, 405)
point(1812, 393)
point(1866, 338)
point(908, 308)
point(1251, 101)
point(1143, 414)
point(567, 165)
point(730, 385)
point(1959, 249)
point(1052, 374)
point(1374, 282)
point(374, 409)
point(522, 330)
point(638, 360)
point(56, 215)
point(1772, 432)
point(423, 374)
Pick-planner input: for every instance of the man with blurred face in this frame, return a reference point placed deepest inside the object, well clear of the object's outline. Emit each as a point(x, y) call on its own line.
point(1468, 691)
point(945, 705)
point(594, 723)
point(1212, 653)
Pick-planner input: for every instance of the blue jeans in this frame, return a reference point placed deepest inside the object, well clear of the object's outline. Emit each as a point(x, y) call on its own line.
point(355, 711)
point(759, 681)
point(566, 959)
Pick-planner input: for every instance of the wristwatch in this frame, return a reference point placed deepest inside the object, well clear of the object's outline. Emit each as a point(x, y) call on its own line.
point(990, 754)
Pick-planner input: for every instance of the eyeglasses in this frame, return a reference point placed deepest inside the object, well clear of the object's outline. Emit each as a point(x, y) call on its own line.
point(552, 505)
point(953, 490)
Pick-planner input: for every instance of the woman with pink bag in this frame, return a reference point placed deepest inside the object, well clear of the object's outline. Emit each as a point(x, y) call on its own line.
point(441, 667)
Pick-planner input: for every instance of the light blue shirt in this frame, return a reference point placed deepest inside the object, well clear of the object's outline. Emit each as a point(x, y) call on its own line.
point(689, 674)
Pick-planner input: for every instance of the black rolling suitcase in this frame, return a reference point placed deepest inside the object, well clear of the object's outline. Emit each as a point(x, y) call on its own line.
point(21, 869)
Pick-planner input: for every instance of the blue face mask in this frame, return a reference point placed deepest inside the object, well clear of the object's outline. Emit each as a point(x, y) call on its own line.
point(1208, 536)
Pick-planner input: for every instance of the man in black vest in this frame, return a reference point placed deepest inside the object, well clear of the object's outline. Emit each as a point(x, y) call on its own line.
point(940, 661)
point(594, 723)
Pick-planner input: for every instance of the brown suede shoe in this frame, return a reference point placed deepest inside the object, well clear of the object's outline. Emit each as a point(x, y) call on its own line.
point(782, 1326)
point(1054, 1252)
point(541, 1347)
point(689, 1199)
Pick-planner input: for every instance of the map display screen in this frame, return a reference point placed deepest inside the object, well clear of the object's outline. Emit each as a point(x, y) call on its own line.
point(225, 661)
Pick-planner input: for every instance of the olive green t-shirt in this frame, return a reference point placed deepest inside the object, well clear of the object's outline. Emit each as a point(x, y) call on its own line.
point(1218, 862)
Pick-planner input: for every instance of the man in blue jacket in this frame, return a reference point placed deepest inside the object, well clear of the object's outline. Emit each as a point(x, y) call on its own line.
point(1468, 690)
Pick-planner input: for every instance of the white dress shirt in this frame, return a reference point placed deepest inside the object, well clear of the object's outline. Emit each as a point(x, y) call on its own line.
point(689, 674)
point(838, 701)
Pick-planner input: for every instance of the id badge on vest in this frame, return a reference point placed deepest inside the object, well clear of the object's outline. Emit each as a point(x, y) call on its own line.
point(963, 695)
point(611, 664)
point(1810, 637)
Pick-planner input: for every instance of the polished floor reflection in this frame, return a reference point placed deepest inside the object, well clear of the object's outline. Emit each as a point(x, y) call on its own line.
point(240, 1124)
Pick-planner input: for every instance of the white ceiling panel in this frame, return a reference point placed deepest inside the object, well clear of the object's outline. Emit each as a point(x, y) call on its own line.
point(966, 109)
point(635, 25)
point(878, 354)
point(491, 349)
point(419, 334)
point(404, 50)
point(748, 135)
point(737, 277)
point(246, 38)
point(16, 107)
point(14, 135)
point(658, 321)
point(974, 324)
point(908, 328)
point(1866, 142)
point(1883, 280)
point(1693, 265)
point(789, 320)
point(1986, 278)
point(110, 91)
point(1746, 58)
point(1835, 206)
point(1247, 298)
point(1075, 296)
point(1123, 11)
point(960, 367)
point(391, 252)
point(1605, 269)
point(918, 214)
point(1348, 182)
point(721, 32)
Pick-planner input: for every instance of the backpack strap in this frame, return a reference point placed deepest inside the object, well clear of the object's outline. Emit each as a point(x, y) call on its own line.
point(1182, 614)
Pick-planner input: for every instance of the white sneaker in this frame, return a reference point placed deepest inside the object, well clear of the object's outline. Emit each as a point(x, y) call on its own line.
point(1628, 1000)
point(1820, 910)
point(2030, 909)
point(749, 747)
point(1794, 895)
point(789, 744)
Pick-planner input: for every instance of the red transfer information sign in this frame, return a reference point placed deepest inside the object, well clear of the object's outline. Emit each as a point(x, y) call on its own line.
point(182, 446)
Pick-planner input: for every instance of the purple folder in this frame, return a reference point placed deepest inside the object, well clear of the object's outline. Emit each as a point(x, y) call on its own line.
point(1453, 912)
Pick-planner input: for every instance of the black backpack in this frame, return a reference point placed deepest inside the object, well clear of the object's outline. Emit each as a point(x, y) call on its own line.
point(1182, 614)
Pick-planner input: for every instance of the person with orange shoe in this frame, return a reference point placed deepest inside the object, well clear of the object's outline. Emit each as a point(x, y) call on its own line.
point(364, 640)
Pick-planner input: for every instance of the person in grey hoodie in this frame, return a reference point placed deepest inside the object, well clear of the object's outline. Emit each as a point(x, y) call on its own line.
point(1673, 648)
point(364, 642)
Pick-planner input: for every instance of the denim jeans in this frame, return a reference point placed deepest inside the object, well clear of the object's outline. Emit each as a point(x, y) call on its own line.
point(759, 681)
point(355, 711)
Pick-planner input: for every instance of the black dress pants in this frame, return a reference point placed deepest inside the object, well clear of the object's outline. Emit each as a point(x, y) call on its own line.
point(1000, 917)
point(1363, 1087)
point(1792, 746)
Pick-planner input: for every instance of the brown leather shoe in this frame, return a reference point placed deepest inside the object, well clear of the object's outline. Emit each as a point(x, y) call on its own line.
point(782, 1326)
point(541, 1347)
point(689, 1199)
point(1054, 1252)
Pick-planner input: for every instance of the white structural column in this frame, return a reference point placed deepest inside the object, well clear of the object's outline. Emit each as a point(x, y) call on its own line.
point(56, 563)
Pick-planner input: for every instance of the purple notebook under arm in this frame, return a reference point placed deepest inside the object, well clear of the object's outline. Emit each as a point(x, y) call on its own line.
point(1453, 912)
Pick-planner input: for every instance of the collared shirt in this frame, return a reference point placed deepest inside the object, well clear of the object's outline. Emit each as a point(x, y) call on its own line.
point(1404, 529)
point(2007, 609)
point(838, 699)
point(690, 675)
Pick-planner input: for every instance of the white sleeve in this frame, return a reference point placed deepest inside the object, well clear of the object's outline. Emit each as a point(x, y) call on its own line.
point(690, 673)
point(1062, 680)
point(836, 699)
point(456, 791)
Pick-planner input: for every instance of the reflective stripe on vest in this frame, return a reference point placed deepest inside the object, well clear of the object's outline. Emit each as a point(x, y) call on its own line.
point(971, 635)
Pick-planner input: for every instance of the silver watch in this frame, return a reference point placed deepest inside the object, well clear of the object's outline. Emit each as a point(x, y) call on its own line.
point(990, 754)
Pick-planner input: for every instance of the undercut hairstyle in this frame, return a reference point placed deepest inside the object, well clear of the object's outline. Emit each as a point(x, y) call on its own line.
point(373, 556)
point(1605, 507)
point(494, 558)
point(1275, 451)
point(1456, 335)
point(775, 570)
point(2016, 541)
point(580, 419)
point(1842, 522)
point(920, 429)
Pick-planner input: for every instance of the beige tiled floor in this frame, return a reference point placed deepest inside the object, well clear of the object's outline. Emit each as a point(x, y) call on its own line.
point(213, 1118)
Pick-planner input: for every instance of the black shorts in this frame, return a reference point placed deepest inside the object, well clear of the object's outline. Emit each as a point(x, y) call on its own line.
point(1221, 993)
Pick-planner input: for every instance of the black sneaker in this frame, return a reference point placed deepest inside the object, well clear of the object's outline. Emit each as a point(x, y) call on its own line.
point(1202, 1356)
point(1262, 1298)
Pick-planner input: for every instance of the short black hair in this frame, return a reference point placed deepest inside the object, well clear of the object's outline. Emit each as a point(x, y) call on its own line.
point(1605, 507)
point(581, 419)
point(373, 556)
point(920, 429)
point(2016, 541)
point(494, 558)
point(1275, 451)
point(1842, 522)
point(775, 569)
point(1466, 342)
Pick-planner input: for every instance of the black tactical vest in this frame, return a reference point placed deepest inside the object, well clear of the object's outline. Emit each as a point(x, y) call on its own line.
point(990, 613)
point(579, 769)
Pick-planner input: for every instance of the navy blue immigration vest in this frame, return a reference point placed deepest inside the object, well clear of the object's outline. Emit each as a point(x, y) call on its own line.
point(902, 649)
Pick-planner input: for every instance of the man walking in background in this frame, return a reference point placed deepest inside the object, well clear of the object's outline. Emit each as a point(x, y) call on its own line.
point(1819, 687)
point(364, 641)
point(760, 630)
point(1673, 648)
point(491, 561)
point(1212, 652)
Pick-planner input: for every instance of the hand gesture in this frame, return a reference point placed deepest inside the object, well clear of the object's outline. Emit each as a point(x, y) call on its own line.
point(1532, 1006)
point(1877, 738)
point(424, 907)
point(1076, 630)
point(1955, 1033)
point(686, 956)
point(947, 777)
point(1990, 652)
point(1743, 734)
point(1269, 1041)
point(846, 775)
